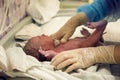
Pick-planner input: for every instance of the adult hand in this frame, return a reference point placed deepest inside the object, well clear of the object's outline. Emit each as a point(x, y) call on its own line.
point(83, 58)
point(74, 59)
point(67, 30)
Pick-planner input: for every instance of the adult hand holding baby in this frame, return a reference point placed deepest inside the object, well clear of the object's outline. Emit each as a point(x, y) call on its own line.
point(83, 57)
point(67, 30)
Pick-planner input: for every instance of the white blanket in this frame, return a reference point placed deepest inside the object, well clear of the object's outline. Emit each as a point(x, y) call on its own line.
point(28, 31)
point(43, 10)
point(22, 65)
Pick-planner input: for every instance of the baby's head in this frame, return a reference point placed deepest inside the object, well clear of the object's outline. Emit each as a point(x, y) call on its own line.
point(36, 43)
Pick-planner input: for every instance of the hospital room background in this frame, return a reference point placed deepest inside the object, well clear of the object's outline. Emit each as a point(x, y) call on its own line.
point(21, 20)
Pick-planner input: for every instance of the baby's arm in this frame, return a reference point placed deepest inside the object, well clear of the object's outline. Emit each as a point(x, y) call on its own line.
point(97, 25)
point(96, 35)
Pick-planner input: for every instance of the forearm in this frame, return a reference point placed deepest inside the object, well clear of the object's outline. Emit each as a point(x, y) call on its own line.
point(67, 30)
point(86, 57)
point(107, 54)
point(117, 54)
point(96, 11)
point(77, 20)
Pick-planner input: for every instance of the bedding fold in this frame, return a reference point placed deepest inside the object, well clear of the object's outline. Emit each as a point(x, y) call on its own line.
point(22, 65)
point(43, 10)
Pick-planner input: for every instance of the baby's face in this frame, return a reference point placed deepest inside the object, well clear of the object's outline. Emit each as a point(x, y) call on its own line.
point(46, 43)
point(37, 43)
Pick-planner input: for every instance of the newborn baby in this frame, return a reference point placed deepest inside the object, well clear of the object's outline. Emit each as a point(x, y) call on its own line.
point(43, 47)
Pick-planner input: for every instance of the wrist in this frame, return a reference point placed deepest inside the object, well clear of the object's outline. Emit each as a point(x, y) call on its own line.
point(82, 18)
point(105, 54)
point(117, 54)
point(77, 20)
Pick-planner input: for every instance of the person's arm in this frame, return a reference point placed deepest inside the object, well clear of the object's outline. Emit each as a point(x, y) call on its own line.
point(96, 11)
point(117, 54)
point(67, 30)
point(100, 9)
point(69, 27)
point(85, 57)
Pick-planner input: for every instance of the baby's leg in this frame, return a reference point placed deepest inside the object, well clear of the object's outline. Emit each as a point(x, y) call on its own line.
point(95, 37)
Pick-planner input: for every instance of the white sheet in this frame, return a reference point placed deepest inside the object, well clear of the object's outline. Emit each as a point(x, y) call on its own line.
point(22, 65)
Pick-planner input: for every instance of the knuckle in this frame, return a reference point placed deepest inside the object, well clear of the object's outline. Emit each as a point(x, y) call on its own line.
point(65, 56)
point(70, 61)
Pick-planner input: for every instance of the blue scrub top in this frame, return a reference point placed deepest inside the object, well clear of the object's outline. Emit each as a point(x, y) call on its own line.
point(101, 9)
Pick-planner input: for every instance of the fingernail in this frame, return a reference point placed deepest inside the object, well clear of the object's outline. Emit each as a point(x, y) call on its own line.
point(63, 40)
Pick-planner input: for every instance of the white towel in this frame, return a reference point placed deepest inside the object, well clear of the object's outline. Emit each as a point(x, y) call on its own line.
point(43, 10)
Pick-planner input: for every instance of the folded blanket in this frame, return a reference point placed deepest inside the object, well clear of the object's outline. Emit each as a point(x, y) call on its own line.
point(43, 10)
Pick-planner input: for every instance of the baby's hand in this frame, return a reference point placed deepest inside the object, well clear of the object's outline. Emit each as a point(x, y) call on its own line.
point(48, 54)
point(97, 25)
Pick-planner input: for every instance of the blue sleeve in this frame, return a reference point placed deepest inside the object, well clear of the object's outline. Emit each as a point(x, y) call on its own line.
point(99, 9)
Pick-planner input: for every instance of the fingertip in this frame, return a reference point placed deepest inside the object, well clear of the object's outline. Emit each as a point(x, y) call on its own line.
point(68, 70)
point(51, 36)
point(52, 61)
point(41, 51)
point(72, 67)
point(63, 40)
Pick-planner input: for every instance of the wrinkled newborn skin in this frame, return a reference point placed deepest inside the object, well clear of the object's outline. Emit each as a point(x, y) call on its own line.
point(43, 48)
